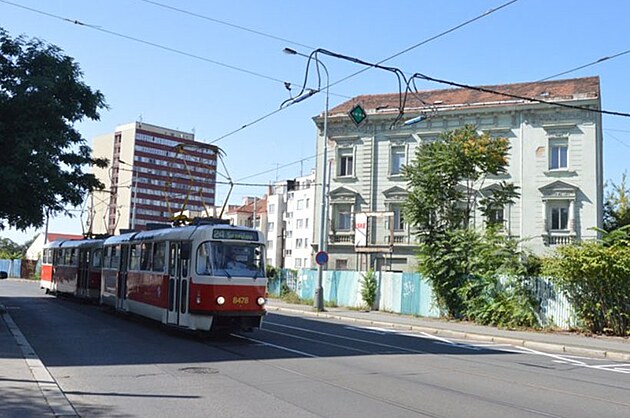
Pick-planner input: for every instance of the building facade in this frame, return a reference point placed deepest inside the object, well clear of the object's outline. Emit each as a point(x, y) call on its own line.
point(154, 174)
point(555, 159)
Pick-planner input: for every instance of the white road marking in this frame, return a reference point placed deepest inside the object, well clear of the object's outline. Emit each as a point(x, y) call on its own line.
point(575, 362)
point(279, 347)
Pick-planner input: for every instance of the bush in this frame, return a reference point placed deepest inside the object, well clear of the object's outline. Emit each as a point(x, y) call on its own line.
point(489, 302)
point(596, 278)
point(369, 287)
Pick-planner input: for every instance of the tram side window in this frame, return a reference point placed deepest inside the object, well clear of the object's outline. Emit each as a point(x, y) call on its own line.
point(74, 257)
point(172, 259)
point(146, 249)
point(45, 256)
point(134, 257)
point(115, 261)
point(159, 252)
point(97, 257)
point(66, 257)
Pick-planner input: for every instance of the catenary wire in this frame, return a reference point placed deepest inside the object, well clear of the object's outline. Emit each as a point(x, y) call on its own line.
point(600, 60)
point(516, 96)
point(145, 42)
point(426, 41)
point(222, 22)
point(245, 70)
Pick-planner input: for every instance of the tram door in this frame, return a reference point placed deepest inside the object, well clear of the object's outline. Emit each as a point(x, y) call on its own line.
point(178, 282)
point(84, 272)
point(121, 283)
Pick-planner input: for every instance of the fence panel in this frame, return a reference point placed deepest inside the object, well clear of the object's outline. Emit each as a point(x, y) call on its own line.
point(410, 294)
point(12, 267)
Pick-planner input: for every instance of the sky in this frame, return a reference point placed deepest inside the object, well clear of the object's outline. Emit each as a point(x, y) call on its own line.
point(212, 67)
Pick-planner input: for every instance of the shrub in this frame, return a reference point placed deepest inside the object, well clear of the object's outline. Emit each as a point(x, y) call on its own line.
point(596, 279)
point(369, 287)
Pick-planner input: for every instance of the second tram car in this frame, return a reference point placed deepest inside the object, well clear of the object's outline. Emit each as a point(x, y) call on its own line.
point(73, 267)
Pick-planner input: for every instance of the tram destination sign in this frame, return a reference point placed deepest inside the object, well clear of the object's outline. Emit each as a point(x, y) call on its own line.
point(235, 234)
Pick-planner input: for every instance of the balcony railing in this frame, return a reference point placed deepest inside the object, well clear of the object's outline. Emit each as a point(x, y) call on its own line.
point(558, 239)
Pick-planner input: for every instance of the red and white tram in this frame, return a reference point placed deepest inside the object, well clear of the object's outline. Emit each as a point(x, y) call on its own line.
point(205, 277)
point(73, 267)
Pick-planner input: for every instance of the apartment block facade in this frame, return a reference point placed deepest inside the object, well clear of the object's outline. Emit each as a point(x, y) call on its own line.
point(555, 159)
point(155, 174)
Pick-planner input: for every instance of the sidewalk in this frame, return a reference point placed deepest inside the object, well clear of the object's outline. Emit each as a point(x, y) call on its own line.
point(20, 394)
point(613, 348)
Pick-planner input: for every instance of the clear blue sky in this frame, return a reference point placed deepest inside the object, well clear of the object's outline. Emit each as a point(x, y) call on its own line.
point(526, 41)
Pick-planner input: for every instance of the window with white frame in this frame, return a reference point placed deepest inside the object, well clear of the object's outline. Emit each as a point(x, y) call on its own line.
point(270, 245)
point(299, 223)
point(297, 263)
point(559, 216)
point(300, 204)
point(289, 234)
point(271, 208)
point(558, 154)
point(399, 221)
point(298, 242)
point(345, 164)
point(305, 222)
point(496, 216)
point(343, 218)
point(305, 242)
point(307, 202)
point(397, 159)
point(270, 226)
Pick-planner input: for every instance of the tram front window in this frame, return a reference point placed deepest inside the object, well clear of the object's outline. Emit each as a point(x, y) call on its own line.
point(230, 259)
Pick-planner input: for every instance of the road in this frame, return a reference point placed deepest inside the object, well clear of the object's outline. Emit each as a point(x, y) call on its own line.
point(116, 366)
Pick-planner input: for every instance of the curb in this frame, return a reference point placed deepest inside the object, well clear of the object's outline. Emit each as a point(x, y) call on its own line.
point(534, 345)
point(48, 386)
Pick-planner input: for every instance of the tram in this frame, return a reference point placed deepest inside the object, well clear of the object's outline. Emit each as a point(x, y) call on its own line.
point(208, 276)
point(73, 267)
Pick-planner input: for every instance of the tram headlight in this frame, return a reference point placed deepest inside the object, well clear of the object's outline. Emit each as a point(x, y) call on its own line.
point(220, 300)
point(261, 301)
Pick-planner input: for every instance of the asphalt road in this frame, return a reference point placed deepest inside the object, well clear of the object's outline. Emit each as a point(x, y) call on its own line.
point(112, 365)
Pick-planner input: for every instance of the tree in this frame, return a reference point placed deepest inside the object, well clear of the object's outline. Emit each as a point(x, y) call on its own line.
point(43, 155)
point(10, 250)
point(617, 205)
point(463, 264)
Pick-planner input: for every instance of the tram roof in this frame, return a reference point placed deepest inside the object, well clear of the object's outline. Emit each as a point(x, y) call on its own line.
point(182, 233)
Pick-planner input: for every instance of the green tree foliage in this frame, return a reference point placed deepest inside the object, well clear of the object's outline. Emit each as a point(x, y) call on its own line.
point(617, 205)
point(41, 97)
point(596, 278)
point(465, 265)
point(10, 250)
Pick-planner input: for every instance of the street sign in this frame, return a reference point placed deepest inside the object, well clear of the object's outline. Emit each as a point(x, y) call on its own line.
point(357, 114)
point(321, 258)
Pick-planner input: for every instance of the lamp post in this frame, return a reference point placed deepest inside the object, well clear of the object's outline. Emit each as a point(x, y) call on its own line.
point(323, 231)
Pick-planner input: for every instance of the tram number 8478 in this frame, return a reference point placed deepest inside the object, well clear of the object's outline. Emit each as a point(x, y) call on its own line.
point(197, 277)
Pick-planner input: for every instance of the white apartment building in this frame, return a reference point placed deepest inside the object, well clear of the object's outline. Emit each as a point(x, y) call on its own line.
point(555, 160)
point(154, 174)
point(290, 209)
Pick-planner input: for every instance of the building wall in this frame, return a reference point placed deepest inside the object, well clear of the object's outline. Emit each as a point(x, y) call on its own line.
point(154, 174)
point(531, 129)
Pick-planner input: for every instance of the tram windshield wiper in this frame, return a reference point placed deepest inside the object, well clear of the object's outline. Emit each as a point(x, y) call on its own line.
point(227, 273)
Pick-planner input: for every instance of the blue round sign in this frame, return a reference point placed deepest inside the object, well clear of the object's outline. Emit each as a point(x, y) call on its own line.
point(321, 258)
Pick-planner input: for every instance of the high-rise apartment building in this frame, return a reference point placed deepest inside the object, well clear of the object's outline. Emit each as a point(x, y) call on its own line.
point(154, 174)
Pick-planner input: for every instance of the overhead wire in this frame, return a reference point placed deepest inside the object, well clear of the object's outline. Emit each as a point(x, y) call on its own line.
point(222, 22)
point(598, 61)
point(259, 119)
